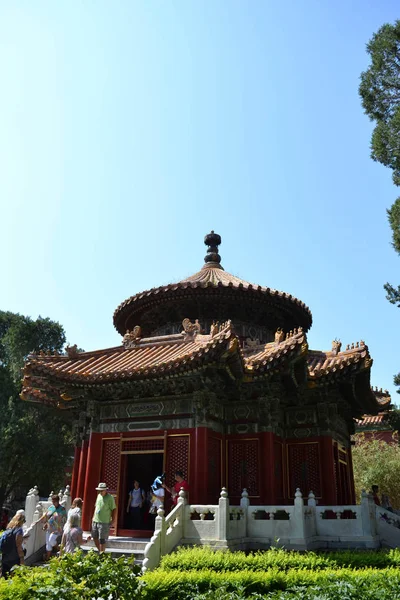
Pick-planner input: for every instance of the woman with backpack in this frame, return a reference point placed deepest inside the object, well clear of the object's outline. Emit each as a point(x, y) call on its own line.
point(11, 543)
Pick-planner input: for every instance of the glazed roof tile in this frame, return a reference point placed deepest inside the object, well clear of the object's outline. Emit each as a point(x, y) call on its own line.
point(382, 397)
point(45, 377)
point(371, 420)
point(147, 358)
point(211, 275)
point(274, 352)
point(323, 363)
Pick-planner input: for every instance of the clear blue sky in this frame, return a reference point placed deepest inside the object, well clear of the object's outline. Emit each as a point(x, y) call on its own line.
point(131, 129)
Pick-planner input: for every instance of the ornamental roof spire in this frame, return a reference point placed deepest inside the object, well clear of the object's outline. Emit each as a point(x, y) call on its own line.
point(212, 258)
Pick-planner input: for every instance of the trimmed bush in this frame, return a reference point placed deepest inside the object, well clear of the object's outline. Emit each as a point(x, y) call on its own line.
point(202, 574)
point(87, 577)
point(199, 559)
point(324, 585)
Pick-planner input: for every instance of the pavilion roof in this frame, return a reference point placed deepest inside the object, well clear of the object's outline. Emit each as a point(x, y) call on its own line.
point(371, 421)
point(211, 276)
point(144, 358)
point(47, 379)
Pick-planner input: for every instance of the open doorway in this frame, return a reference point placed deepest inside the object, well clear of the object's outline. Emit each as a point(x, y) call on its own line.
point(144, 468)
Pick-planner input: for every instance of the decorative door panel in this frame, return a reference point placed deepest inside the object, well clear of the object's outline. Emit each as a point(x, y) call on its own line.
point(304, 468)
point(110, 463)
point(243, 467)
point(178, 452)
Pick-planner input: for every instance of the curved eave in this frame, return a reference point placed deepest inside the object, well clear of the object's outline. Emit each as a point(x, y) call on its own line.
point(276, 356)
point(144, 361)
point(187, 289)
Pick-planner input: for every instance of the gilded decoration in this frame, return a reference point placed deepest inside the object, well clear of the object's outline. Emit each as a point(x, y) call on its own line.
point(72, 351)
point(131, 338)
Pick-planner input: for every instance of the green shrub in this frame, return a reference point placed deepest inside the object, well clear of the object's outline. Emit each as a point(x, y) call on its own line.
point(185, 559)
point(274, 584)
point(75, 576)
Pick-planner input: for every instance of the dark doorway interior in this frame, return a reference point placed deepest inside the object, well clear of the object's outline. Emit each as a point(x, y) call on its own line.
point(144, 468)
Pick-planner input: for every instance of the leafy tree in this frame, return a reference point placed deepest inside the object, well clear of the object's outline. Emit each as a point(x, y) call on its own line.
point(380, 93)
point(392, 417)
point(35, 441)
point(377, 462)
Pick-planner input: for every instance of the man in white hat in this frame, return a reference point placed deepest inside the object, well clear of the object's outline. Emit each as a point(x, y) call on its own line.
point(104, 515)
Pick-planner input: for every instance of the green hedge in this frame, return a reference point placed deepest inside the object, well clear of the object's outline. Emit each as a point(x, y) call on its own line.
point(343, 584)
point(72, 577)
point(201, 574)
point(203, 558)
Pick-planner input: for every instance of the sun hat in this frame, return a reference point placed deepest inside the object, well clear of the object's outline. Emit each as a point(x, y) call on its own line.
point(102, 487)
point(20, 512)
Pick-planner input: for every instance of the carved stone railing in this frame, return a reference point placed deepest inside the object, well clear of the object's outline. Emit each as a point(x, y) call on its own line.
point(34, 535)
point(389, 517)
point(388, 527)
point(215, 524)
point(168, 532)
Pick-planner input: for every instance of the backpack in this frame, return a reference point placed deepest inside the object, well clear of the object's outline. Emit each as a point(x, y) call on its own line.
point(7, 542)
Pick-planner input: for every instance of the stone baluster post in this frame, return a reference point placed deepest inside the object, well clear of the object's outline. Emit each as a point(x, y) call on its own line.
point(50, 495)
point(311, 499)
point(30, 505)
point(223, 516)
point(65, 500)
point(244, 505)
point(161, 528)
point(368, 514)
point(244, 501)
point(298, 516)
point(38, 534)
point(312, 515)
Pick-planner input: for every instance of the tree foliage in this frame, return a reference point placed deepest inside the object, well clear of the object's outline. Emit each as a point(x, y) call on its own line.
point(380, 94)
point(35, 441)
point(377, 462)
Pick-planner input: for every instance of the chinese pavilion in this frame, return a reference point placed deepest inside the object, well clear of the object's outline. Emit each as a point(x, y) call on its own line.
point(214, 377)
point(378, 426)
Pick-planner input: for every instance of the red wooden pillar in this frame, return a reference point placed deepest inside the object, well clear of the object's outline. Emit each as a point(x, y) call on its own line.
point(91, 479)
point(352, 499)
point(267, 483)
point(329, 490)
point(75, 472)
point(80, 488)
point(199, 476)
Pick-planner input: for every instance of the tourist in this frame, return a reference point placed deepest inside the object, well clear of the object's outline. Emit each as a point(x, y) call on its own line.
point(104, 516)
point(180, 483)
point(76, 509)
point(54, 519)
point(375, 490)
point(135, 504)
point(11, 543)
point(157, 495)
point(385, 503)
point(73, 535)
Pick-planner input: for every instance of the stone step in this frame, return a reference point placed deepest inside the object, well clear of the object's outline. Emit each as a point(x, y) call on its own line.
point(122, 546)
point(117, 552)
point(124, 543)
point(126, 551)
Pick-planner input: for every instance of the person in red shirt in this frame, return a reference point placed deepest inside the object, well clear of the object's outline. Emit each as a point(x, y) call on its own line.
point(375, 490)
point(180, 483)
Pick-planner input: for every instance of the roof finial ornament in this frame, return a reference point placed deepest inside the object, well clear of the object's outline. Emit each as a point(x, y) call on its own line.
point(212, 258)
